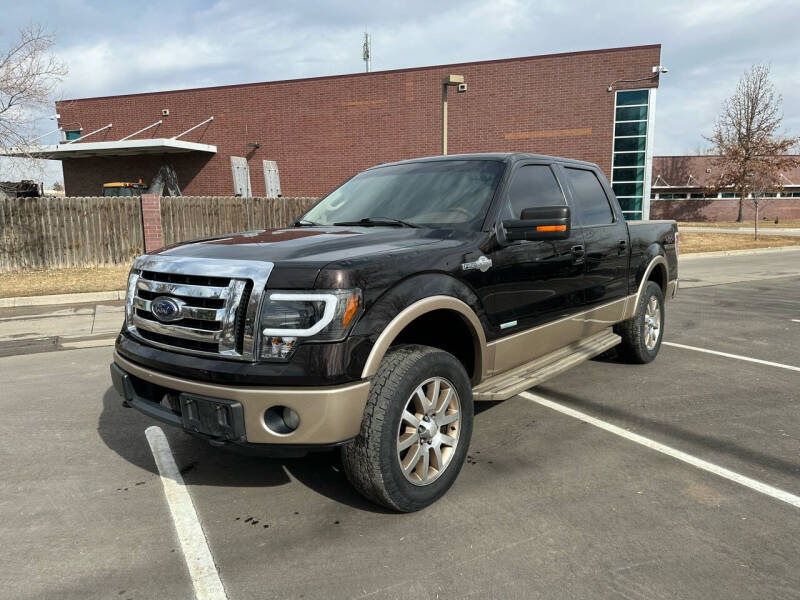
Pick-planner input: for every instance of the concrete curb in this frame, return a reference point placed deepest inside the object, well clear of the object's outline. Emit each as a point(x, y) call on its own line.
point(61, 299)
point(738, 252)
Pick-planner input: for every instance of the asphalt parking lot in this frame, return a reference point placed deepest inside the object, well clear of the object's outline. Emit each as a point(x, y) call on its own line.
point(548, 505)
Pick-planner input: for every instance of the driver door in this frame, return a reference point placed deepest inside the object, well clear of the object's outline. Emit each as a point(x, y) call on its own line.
point(533, 282)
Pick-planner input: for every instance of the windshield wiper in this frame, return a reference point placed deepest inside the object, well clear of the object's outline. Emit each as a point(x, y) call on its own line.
point(374, 221)
point(305, 223)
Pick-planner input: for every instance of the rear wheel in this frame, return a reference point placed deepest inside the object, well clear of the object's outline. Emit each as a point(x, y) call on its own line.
point(416, 429)
point(641, 335)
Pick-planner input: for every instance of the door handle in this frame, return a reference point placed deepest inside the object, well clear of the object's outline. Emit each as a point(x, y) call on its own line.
point(623, 245)
point(578, 254)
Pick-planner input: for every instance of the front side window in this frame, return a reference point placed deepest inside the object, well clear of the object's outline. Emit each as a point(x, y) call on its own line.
point(444, 194)
point(533, 186)
point(590, 198)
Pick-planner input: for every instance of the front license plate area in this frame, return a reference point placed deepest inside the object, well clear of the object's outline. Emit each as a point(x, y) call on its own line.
point(215, 417)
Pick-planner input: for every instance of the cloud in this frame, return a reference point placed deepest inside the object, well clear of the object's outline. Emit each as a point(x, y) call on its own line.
point(125, 47)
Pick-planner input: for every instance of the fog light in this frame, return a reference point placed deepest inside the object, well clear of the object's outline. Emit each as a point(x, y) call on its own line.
point(281, 420)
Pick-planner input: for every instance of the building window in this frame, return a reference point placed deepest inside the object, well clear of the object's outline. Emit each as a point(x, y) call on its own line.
point(632, 151)
point(72, 134)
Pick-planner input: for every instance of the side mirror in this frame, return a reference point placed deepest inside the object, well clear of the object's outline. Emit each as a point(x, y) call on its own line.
point(539, 224)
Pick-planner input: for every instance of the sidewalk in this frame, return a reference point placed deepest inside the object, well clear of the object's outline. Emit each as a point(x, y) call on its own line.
point(30, 329)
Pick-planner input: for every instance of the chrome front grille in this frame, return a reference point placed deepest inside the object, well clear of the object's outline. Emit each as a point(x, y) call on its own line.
point(218, 303)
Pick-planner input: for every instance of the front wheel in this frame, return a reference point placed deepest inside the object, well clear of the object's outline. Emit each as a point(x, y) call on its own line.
point(416, 429)
point(641, 335)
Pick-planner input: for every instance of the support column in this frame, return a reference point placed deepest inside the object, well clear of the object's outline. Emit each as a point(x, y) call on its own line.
point(151, 222)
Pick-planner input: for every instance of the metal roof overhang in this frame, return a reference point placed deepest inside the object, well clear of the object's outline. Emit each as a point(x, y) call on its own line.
point(118, 148)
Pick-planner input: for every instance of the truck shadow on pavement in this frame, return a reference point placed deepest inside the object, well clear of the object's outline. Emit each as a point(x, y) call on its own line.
point(122, 430)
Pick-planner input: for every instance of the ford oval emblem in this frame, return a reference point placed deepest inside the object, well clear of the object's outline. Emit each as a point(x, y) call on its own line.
point(167, 309)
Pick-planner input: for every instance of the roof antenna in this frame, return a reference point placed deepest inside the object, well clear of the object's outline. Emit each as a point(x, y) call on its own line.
point(366, 51)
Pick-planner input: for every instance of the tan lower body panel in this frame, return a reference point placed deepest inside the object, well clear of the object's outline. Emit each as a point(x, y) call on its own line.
point(327, 414)
point(520, 348)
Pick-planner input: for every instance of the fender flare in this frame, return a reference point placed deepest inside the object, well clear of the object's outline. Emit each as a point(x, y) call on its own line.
point(417, 309)
point(634, 302)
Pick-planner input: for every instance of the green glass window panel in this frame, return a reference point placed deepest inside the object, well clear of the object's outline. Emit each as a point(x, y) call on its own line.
point(697, 195)
point(72, 135)
point(633, 174)
point(729, 195)
point(634, 128)
point(624, 144)
point(631, 159)
point(632, 97)
point(630, 203)
point(628, 189)
point(633, 216)
point(632, 113)
point(793, 194)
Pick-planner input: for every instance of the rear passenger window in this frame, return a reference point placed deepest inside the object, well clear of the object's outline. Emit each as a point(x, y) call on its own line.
point(534, 186)
point(590, 197)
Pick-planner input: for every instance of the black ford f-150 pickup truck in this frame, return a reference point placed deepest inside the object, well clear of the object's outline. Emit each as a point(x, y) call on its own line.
point(409, 292)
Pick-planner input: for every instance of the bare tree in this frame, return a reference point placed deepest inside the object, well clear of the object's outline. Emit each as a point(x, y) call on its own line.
point(746, 137)
point(29, 72)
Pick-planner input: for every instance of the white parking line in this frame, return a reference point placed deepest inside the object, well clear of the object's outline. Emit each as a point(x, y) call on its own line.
point(202, 570)
point(795, 320)
point(736, 356)
point(753, 484)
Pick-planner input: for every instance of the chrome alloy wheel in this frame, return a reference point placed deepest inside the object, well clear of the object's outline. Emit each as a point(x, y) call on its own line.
point(428, 432)
point(652, 323)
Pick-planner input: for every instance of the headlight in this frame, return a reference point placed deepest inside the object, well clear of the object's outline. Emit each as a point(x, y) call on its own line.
point(289, 318)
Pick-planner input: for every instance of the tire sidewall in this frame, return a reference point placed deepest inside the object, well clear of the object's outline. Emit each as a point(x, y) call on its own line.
point(434, 364)
point(652, 290)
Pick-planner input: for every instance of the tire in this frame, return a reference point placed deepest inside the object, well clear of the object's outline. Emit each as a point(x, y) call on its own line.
point(392, 438)
point(642, 334)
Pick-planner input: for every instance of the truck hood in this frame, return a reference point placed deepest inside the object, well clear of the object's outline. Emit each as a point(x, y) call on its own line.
point(307, 246)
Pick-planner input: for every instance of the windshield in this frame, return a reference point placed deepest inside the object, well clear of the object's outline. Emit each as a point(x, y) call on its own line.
point(443, 194)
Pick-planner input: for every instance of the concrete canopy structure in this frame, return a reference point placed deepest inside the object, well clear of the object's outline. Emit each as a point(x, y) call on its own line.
point(117, 148)
point(320, 131)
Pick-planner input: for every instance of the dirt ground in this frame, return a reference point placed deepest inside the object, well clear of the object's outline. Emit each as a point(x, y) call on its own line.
point(63, 281)
point(713, 242)
point(734, 224)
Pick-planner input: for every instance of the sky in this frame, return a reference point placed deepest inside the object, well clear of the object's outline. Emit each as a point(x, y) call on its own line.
point(115, 47)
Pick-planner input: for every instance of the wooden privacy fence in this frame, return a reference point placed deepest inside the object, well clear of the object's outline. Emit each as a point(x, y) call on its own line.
point(192, 217)
point(43, 233)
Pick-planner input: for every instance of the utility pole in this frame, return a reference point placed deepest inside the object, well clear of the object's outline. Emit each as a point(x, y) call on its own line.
point(366, 51)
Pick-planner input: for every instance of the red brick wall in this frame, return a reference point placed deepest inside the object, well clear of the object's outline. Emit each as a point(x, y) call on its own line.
point(323, 130)
point(151, 222)
point(723, 209)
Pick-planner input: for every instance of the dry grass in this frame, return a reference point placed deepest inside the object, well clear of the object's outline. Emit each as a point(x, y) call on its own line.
point(63, 281)
point(735, 225)
point(713, 242)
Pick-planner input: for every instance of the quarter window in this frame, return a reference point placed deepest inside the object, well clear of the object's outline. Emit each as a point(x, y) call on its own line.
point(534, 186)
point(590, 198)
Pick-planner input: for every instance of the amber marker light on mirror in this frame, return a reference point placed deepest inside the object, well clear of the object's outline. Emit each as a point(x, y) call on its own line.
point(551, 228)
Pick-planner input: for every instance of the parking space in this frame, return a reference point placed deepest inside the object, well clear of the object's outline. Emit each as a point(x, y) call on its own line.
point(547, 505)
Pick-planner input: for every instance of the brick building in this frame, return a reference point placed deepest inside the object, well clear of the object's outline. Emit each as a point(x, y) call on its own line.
point(685, 188)
point(322, 130)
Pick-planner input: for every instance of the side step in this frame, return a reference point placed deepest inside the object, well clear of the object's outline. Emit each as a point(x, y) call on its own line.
point(519, 379)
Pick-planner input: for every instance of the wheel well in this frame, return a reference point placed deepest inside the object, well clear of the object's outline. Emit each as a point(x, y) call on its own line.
point(659, 276)
point(446, 330)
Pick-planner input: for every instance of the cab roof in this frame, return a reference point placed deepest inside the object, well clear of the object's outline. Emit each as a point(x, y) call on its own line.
point(508, 157)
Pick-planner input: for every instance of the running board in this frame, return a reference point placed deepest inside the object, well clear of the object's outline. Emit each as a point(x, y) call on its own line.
point(519, 379)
